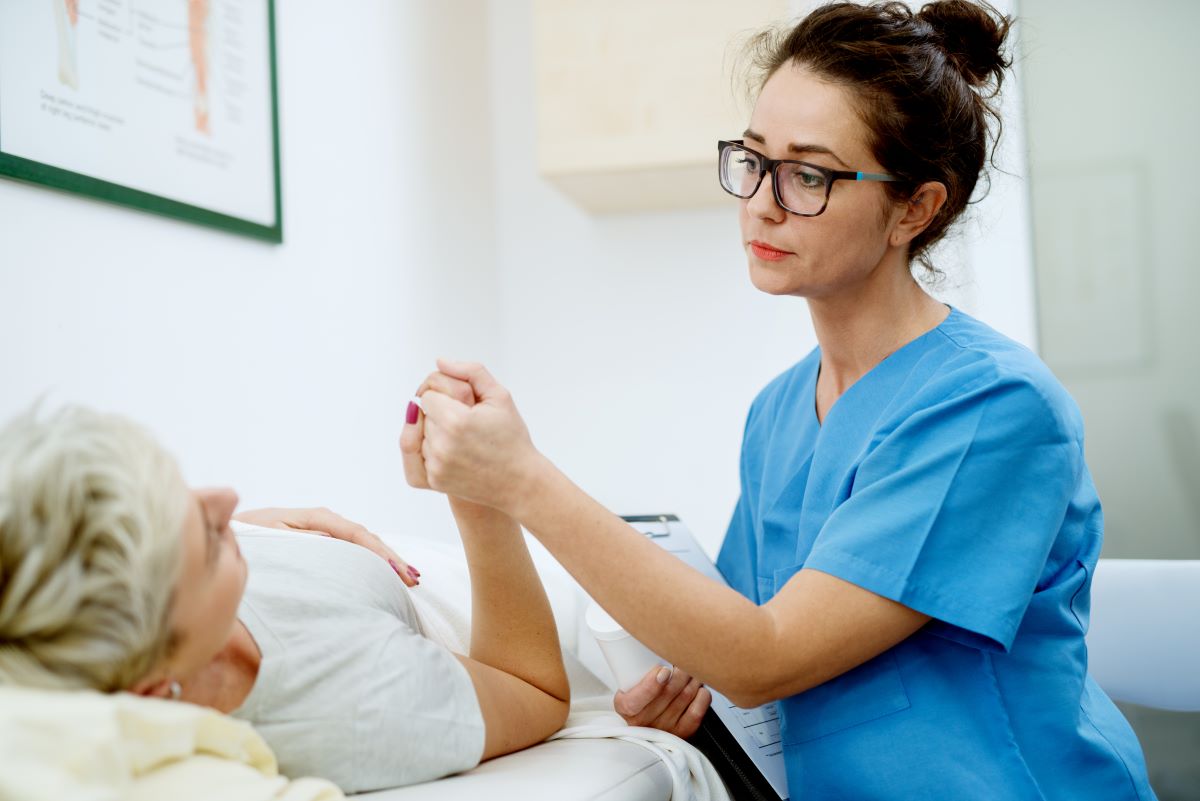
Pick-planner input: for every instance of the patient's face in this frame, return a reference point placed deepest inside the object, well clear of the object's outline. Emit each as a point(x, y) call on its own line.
point(211, 582)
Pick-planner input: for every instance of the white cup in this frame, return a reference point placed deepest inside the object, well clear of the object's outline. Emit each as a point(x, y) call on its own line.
point(627, 658)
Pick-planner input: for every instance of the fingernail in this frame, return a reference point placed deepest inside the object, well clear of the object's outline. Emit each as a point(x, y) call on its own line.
point(664, 675)
point(412, 571)
point(411, 416)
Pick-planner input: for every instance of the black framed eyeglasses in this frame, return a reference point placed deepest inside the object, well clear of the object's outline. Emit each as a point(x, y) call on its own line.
point(800, 187)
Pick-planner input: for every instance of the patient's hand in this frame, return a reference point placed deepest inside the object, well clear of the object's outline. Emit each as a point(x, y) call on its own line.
point(676, 706)
point(329, 524)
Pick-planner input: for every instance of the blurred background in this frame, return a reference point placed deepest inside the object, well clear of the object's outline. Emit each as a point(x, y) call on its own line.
point(438, 200)
point(1112, 112)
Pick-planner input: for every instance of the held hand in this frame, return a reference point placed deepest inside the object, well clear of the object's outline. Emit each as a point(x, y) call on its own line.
point(329, 524)
point(481, 452)
point(413, 435)
point(677, 705)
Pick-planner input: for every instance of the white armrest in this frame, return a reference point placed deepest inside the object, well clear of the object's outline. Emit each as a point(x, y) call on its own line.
point(1144, 636)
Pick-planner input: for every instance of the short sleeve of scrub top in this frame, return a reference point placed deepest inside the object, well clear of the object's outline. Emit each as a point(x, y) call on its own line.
point(954, 510)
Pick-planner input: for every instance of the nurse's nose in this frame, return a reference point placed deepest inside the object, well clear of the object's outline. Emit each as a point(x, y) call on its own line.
point(762, 203)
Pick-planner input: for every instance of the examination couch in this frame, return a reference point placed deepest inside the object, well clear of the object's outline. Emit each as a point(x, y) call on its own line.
point(1144, 647)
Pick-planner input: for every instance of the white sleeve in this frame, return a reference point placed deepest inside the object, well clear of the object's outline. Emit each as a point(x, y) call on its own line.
point(419, 717)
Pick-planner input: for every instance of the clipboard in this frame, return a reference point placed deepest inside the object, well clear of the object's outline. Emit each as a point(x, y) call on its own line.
point(744, 745)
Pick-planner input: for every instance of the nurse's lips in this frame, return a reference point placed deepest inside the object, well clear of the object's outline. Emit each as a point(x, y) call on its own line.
point(766, 252)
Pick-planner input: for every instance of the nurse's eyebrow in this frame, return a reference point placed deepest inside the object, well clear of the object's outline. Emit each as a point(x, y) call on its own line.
point(794, 147)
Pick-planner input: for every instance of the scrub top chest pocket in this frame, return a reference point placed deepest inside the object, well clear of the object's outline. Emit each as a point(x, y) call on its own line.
point(868, 692)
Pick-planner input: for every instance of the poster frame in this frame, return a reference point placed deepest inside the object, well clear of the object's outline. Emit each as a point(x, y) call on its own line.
point(30, 171)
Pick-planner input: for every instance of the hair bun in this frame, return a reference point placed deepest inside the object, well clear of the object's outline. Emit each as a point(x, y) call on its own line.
point(972, 34)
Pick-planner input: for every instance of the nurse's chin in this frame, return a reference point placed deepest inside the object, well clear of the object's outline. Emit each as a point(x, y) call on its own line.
point(782, 282)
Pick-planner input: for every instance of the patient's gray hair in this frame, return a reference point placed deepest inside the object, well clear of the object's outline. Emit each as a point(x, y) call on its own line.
point(91, 515)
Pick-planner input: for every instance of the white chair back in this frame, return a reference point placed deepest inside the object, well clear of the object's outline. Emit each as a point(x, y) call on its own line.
point(1144, 638)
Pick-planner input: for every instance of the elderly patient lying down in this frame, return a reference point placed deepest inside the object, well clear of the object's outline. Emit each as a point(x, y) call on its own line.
point(114, 576)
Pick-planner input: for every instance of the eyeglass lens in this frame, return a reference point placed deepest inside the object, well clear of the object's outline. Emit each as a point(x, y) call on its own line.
point(801, 188)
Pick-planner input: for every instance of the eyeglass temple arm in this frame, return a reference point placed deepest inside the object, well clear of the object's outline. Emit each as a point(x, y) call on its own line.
point(852, 175)
point(864, 176)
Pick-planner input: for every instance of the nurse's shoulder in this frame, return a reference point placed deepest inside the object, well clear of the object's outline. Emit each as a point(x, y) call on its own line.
point(975, 362)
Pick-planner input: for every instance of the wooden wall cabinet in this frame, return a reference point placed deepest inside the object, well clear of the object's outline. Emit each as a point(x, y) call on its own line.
point(632, 96)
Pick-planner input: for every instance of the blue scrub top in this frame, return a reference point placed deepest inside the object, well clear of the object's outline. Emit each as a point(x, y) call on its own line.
point(950, 478)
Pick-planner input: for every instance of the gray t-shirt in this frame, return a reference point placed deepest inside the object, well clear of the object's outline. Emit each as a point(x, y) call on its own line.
point(350, 688)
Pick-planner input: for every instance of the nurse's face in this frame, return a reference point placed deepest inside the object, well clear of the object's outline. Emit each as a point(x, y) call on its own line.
point(800, 116)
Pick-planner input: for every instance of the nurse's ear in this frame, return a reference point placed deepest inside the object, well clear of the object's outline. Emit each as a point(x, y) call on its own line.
point(918, 212)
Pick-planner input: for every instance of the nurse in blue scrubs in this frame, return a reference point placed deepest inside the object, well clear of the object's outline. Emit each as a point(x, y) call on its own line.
point(912, 552)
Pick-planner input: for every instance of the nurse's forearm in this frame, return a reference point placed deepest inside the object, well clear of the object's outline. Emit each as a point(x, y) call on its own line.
point(512, 625)
point(704, 627)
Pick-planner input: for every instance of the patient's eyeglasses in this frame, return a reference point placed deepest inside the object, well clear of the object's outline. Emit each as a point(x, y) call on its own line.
point(800, 188)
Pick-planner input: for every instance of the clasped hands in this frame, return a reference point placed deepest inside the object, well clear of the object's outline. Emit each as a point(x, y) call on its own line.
point(467, 440)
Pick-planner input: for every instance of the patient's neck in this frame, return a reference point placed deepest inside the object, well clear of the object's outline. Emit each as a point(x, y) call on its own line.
point(227, 680)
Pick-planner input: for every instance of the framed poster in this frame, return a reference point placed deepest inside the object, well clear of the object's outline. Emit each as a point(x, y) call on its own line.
point(164, 105)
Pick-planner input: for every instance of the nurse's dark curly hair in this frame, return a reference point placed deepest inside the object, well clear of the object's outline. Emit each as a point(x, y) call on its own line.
point(925, 81)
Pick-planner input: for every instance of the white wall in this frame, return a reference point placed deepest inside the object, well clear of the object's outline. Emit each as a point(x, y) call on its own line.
point(1118, 276)
point(1118, 269)
point(416, 225)
point(635, 343)
point(284, 370)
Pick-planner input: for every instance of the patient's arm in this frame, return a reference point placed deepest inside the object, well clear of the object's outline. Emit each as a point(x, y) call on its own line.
point(515, 661)
point(330, 524)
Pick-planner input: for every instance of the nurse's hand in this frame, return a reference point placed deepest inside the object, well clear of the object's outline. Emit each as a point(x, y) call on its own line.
point(482, 453)
point(412, 438)
point(677, 705)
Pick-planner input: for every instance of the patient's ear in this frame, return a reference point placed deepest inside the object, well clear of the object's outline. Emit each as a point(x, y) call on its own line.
point(153, 686)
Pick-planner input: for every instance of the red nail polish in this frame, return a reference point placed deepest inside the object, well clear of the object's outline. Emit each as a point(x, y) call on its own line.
point(412, 571)
point(411, 416)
